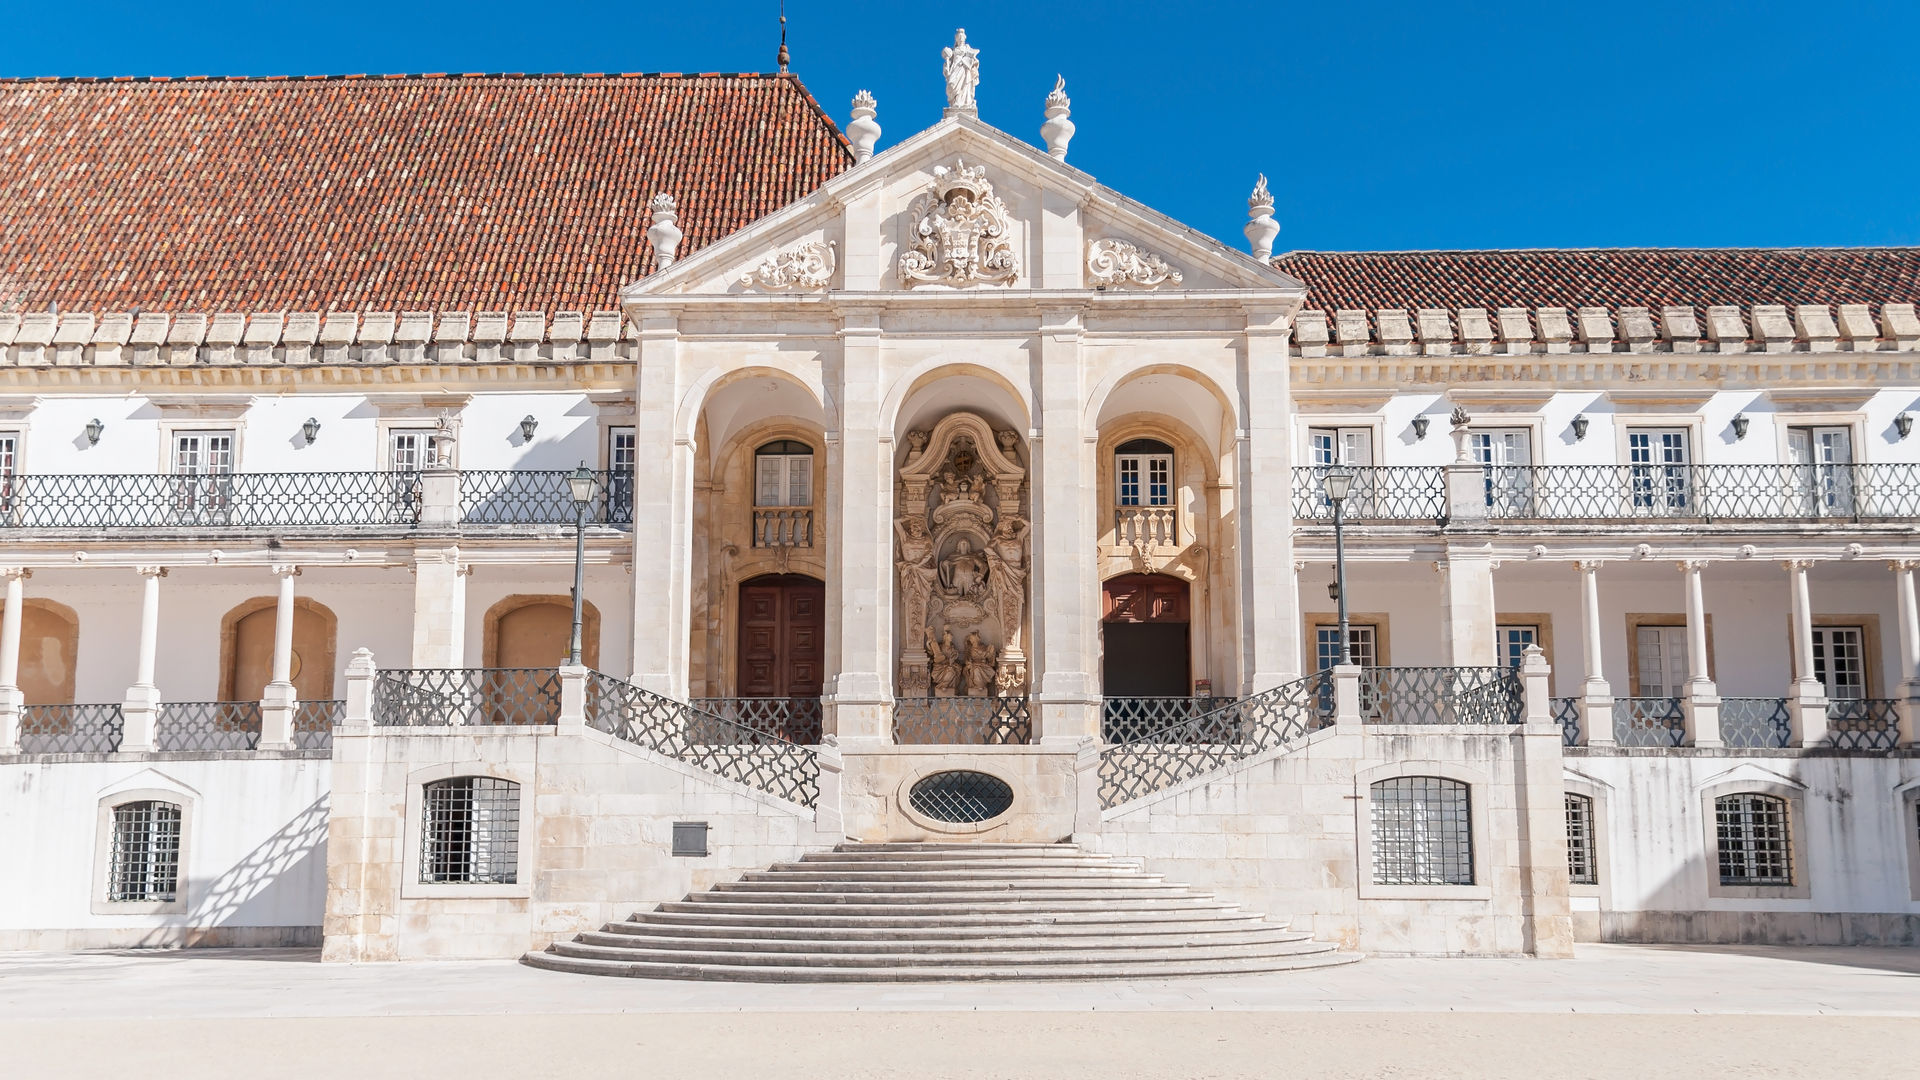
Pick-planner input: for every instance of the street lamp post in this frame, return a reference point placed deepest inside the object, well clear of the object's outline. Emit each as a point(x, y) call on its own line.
point(580, 486)
point(1339, 484)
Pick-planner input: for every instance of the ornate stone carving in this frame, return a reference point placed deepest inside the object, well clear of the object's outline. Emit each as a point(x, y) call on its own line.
point(957, 233)
point(961, 560)
point(807, 265)
point(1057, 130)
point(960, 63)
point(1116, 262)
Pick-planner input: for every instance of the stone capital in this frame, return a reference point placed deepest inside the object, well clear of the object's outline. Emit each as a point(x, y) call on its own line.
point(1791, 565)
point(1589, 566)
point(10, 572)
point(151, 571)
point(1895, 565)
point(285, 570)
point(1691, 566)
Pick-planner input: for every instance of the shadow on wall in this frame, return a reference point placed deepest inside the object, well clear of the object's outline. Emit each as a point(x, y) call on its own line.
point(281, 883)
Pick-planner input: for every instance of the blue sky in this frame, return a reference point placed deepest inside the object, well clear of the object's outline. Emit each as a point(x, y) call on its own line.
point(1384, 124)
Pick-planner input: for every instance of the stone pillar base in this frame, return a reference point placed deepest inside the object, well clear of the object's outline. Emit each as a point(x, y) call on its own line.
point(277, 707)
point(11, 702)
point(141, 713)
point(1807, 713)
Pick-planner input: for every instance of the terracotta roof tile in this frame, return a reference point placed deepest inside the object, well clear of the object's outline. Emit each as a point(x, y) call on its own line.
point(1620, 277)
point(409, 193)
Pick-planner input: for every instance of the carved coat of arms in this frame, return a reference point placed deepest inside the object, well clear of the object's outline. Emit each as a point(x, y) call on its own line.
point(958, 233)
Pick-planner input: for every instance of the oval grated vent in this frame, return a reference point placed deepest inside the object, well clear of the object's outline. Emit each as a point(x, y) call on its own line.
point(961, 797)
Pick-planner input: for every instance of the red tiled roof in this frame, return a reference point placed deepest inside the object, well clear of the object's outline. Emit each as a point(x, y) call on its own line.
point(477, 192)
point(1623, 277)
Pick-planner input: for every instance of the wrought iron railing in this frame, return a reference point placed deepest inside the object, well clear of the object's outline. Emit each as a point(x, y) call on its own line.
point(541, 497)
point(207, 726)
point(698, 737)
point(1380, 493)
point(314, 721)
point(1648, 721)
point(438, 697)
point(1755, 723)
point(1124, 719)
point(1566, 713)
point(1213, 740)
point(71, 729)
point(207, 500)
point(795, 719)
point(782, 526)
point(1145, 527)
point(1863, 723)
point(1703, 492)
point(1441, 695)
point(962, 721)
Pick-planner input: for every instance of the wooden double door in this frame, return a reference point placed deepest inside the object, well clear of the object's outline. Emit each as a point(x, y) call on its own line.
point(782, 637)
point(1144, 629)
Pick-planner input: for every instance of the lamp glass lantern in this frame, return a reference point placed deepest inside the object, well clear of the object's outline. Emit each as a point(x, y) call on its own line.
point(1338, 481)
point(1903, 424)
point(94, 428)
point(310, 429)
point(1580, 424)
point(528, 425)
point(1420, 424)
point(580, 485)
point(1740, 425)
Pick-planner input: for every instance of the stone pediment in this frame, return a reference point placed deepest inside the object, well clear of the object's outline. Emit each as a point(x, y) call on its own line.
point(961, 207)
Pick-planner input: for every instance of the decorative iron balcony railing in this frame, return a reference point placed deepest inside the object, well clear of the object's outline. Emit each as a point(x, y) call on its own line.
point(1145, 527)
point(782, 526)
point(207, 726)
point(1703, 492)
point(1566, 712)
point(1124, 719)
point(962, 721)
point(71, 729)
point(703, 739)
point(1441, 695)
point(795, 719)
point(541, 497)
point(1212, 740)
point(314, 721)
point(1381, 493)
point(1755, 723)
point(442, 697)
point(1863, 723)
point(1648, 721)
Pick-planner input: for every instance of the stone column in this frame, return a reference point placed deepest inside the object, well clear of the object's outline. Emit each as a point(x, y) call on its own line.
point(1540, 807)
point(1908, 614)
point(10, 697)
point(1269, 607)
point(1065, 578)
point(662, 514)
point(1467, 616)
point(439, 609)
point(142, 706)
point(1701, 709)
point(1596, 700)
point(1806, 699)
point(858, 703)
point(280, 700)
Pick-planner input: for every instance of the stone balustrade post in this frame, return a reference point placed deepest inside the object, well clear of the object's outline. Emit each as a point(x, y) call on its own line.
point(1807, 698)
point(279, 701)
point(1466, 480)
point(1596, 697)
point(1346, 697)
point(1536, 688)
point(828, 822)
point(440, 497)
point(1700, 712)
point(141, 709)
point(359, 707)
point(573, 699)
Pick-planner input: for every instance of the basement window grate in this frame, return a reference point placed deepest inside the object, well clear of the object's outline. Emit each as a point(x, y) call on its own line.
point(961, 797)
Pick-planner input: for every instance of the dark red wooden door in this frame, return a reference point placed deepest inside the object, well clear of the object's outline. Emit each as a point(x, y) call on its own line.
point(782, 636)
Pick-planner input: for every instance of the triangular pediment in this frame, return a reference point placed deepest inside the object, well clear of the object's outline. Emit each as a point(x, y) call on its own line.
point(962, 207)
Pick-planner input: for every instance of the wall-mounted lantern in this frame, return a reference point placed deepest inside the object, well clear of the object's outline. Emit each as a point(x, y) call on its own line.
point(310, 429)
point(1740, 425)
point(94, 428)
point(1420, 426)
point(528, 425)
point(1580, 424)
point(1903, 424)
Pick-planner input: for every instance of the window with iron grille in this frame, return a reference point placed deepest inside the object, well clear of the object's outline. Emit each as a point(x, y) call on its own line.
point(1422, 832)
point(1751, 830)
point(470, 832)
point(144, 864)
point(1583, 866)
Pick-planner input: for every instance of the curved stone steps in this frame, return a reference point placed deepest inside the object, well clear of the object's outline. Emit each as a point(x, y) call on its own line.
point(641, 969)
point(1116, 938)
point(856, 931)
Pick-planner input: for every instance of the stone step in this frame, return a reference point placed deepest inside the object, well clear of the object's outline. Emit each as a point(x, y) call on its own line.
point(816, 943)
point(1097, 915)
point(928, 906)
point(1034, 887)
point(658, 954)
point(939, 872)
point(859, 930)
point(963, 846)
point(959, 858)
point(985, 973)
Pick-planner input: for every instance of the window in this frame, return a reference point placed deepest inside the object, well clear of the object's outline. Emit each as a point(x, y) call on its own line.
point(1822, 460)
point(1660, 657)
point(9, 467)
point(412, 450)
point(1504, 455)
point(1362, 641)
point(1659, 475)
point(143, 865)
point(1839, 661)
point(470, 831)
point(621, 460)
point(1340, 446)
point(783, 474)
point(1511, 641)
point(1422, 832)
point(202, 468)
point(1583, 864)
point(1751, 834)
point(1143, 473)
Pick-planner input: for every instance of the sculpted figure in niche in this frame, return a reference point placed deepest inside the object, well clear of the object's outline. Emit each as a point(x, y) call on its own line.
point(964, 573)
point(943, 664)
point(980, 666)
point(1010, 540)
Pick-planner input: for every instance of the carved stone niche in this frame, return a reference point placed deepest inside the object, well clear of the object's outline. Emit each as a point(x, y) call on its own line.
point(958, 233)
point(961, 557)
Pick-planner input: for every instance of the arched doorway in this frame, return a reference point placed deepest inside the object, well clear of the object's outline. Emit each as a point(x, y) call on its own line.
point(782, 637)
point(49, 640)
point(1144, 627)
point(246, 660)
point(525, 631)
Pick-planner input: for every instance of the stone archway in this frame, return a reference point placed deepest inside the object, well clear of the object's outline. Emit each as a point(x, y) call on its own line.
point(246, 649)
point(1145, 632)
point(534, 631)
point(49, 645)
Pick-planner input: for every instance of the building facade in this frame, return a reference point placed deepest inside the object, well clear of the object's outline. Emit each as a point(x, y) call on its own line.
point(939, 492)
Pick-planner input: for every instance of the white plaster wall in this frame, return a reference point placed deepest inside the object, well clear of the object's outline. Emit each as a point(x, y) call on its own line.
point(256, 856)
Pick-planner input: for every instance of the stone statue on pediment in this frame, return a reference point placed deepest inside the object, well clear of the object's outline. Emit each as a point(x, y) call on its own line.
point(960, 62)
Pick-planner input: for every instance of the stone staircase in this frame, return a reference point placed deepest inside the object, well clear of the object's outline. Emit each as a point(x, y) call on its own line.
point(941, 912)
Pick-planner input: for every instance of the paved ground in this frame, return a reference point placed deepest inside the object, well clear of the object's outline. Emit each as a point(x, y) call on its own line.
point(1614, 1011)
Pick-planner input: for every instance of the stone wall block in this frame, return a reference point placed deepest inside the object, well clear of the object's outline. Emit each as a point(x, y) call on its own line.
point(1350, 328)
point(1726, 328)
point(1396, 331)
point(1476, 330)
point(1773, 328)
point(1814, 324)
point(1595, 329)
point(1900, 325)
point(1637, 329)
point(1681, 328)
point(1516, 331)
point(1310, 333)
point(1858, 329)
point(1436, 331)
point(1556, 330)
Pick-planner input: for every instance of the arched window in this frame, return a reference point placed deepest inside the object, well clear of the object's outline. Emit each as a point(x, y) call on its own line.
point(1751, 834)
point(470, 831)
point(1143, 473)
point(783, 474)
point(143, 865)
point(1422, 832)
point(1583, 866)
